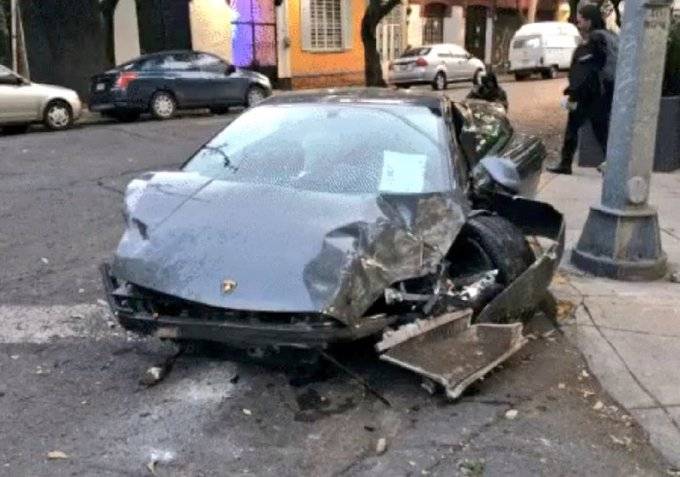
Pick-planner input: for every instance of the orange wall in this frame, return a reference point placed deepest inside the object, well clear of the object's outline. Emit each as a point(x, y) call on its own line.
point(309, 63)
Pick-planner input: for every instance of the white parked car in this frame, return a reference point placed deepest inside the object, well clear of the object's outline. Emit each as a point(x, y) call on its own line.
point(23, 103)
point(437, 65)
point(543, 47)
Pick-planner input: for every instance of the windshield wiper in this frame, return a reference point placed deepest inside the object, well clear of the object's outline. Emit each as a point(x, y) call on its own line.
point(227, 162)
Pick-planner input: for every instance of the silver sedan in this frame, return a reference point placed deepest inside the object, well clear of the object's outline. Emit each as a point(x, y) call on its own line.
point(437, 65)
point(23, 103)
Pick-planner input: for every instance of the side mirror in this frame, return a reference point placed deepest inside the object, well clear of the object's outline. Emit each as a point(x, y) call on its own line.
point(229, 70)
point(497, 170)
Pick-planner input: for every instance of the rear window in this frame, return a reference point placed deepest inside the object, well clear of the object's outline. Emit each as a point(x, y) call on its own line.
point(533, 41)
point(422, 51)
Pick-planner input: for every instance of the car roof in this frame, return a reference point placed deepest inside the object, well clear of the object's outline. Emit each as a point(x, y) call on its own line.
point(383, 96)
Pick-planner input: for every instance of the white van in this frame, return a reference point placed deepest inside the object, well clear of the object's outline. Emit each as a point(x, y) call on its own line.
point(544, 47)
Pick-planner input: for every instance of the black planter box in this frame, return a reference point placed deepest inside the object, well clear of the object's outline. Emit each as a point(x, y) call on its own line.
point(667, 154)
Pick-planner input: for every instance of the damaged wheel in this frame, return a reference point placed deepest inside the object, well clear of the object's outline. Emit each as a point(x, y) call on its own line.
point(489, 242)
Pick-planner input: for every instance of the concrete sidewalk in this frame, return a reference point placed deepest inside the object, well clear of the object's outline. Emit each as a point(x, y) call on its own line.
point(628, 332)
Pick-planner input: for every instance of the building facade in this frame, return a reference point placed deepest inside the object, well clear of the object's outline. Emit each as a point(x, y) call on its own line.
point(297, 43)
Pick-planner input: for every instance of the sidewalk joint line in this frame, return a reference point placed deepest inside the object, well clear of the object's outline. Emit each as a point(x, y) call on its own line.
point(630, 371)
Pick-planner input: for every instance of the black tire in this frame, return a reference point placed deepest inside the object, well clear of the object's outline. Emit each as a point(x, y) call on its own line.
point(58, 115)
point(490, 242)
point(15, 129)
point(521, 76)
point(219, 109)
point(254, 95)
point(439, 81)
point(550, 73)
point(163, 105)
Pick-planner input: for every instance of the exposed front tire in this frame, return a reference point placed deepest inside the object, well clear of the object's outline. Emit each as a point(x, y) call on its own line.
point(58, 115)
point(255, 95)
point(439, 81)
point(163, 105)
point(487, 243)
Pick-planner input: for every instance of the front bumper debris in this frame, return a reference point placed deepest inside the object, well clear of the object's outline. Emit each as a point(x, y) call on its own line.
point(450, 351)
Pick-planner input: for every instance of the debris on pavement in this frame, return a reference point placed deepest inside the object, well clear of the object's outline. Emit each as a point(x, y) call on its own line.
point(157, 373)
point(511, 414)
point(57, 455)
point(472, 467)
point(45, 260)
point(247, 412)
point(449, 350)
point(153, 376)
point(381, 446)
point(561, 386)
point(598, 406)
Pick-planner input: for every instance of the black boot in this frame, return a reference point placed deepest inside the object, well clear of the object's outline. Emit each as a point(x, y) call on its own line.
point(563, 167)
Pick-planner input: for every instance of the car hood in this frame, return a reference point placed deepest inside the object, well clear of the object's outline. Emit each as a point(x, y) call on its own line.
point(279, 249)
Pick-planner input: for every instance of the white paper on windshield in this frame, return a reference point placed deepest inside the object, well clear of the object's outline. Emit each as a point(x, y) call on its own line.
point(402, 172)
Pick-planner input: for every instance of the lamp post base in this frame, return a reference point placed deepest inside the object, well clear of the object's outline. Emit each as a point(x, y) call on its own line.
point(621, 244)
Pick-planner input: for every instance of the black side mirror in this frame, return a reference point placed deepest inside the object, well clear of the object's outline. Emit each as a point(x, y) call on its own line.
point(229, 70)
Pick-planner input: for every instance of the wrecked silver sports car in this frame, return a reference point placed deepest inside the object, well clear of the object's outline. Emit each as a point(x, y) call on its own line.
point(317, 218)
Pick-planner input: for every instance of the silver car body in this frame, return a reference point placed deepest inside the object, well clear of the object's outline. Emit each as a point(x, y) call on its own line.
point(450, 59)
point(23, 102)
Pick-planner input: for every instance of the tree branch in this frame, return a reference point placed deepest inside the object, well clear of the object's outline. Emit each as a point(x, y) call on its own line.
point(387, 7)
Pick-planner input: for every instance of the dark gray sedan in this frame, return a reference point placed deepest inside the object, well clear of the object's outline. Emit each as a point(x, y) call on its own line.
point(162, 83)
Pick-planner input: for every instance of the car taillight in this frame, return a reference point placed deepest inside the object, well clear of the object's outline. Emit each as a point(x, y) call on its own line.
point(124, 79)
point(421, 62)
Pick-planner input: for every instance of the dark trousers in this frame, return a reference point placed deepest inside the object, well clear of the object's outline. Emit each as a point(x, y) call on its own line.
point(600, 123)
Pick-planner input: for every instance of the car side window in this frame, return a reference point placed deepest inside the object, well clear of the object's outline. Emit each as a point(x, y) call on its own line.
point(171, 62)
point(209, 63)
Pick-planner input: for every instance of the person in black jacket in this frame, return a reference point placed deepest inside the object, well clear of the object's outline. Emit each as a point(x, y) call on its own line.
point(591, 84)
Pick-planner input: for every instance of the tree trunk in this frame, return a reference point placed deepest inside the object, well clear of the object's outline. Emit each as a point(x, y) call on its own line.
point(375, 11)
point(372, 69)
point(108, 10)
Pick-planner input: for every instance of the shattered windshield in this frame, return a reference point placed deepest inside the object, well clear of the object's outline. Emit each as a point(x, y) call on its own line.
point(333, 148)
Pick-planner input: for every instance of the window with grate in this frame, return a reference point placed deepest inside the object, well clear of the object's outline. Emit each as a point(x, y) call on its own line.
point(326, 24)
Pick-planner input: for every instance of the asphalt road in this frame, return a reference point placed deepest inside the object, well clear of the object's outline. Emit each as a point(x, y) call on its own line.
point(69, 378)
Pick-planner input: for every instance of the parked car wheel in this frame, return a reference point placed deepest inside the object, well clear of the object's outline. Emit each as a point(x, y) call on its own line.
point(439, 82)
point(550, 73)
point(219, 110)
point(15, 129)
point(163, 105)
point(255, 95)
point(521, 76)
point(58, 115)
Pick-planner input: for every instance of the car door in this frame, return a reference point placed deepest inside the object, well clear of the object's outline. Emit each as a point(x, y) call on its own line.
point(218, 85)
point(176, 72)
point(19, 101)
point(444, 55)
point(465, 68)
